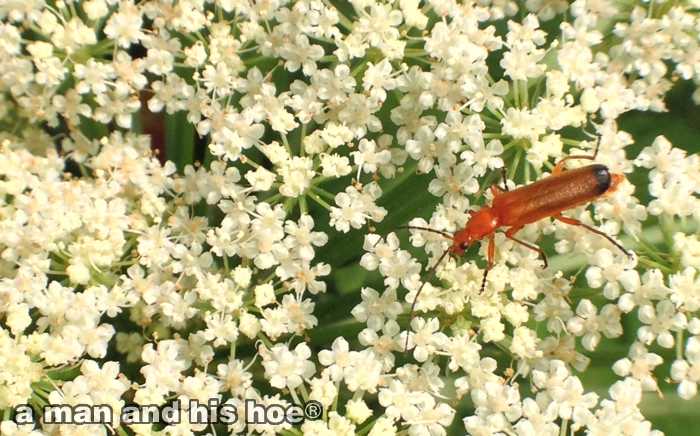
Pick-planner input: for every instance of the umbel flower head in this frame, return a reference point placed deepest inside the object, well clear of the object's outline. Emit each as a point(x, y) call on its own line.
point(194, 195)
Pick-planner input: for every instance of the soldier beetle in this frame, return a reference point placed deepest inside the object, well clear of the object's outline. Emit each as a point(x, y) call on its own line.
point(548, 197)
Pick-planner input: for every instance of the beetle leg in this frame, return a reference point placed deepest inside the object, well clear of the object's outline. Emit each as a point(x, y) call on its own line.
point(497, 190)
point(510, 235)
point(505, 179)
point(491, 256)
point(560, 165)
point(575, 222)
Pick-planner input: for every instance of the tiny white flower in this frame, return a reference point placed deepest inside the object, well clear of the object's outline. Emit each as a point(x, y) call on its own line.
point(589, 324)
point(426, 340)
point(260, 179)
point(358, 411)
point(639, 365)
point(368, 158)
point(660, 322)
point(335, 165)
point(264, 295)
point(286, 368)
point(337, 359)
point(375, 309)
point(234, 377)
point(275, 322)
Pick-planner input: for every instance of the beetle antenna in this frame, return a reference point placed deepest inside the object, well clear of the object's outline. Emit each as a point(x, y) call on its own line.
point(597, 145)
point(598, 136)
point(444, 234)
point(429, 275)
point(592, 135)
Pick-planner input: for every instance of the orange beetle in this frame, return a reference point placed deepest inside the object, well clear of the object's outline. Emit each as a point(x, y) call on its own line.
point(549, 197)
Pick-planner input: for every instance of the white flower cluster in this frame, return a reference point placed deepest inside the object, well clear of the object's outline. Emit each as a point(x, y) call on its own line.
point(211, 283)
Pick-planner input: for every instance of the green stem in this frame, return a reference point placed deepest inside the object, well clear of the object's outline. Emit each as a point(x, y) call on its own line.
point(510, 144)
point(514, 164)
point(332, 59)
point(525, 92)
point(289, 205)
point(319, 180)
point(367, 427)
point(318, 200)
point(303, 207)
point(571, 142)
point(493, 136)
point(302, 152)
point(323, 193)
point(304, 394)
point(415, 53)
point(273, 200)
point(251, 163)
point(265, 340)
point(227, 269)
point(293, 393)
point(651, 251)
point(334, 407)
point(650, 263)
point(285, 141)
